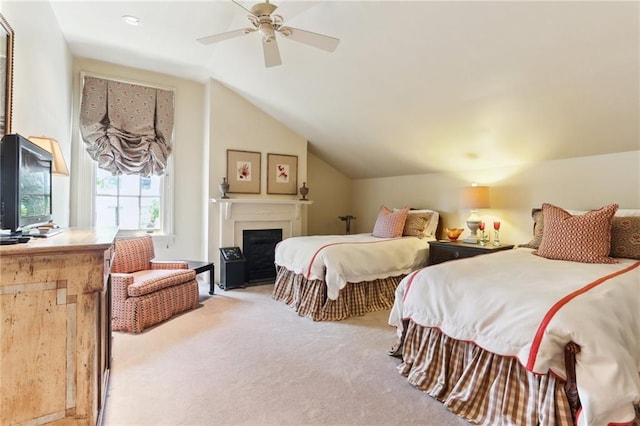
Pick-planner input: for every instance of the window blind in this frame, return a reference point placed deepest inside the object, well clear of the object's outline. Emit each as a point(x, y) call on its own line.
point(126, 127)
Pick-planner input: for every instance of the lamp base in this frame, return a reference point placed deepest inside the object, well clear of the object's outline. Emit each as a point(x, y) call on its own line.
point(473, 223)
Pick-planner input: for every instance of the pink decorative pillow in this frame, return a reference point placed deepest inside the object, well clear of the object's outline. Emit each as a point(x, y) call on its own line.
point(582, 238)
point(390, 224)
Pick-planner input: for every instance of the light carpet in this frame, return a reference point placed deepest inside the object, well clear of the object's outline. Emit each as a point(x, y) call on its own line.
point(243, 358)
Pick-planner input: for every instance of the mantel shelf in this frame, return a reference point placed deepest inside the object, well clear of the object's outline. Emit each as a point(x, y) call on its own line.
point(227, 203)
point(260, 201)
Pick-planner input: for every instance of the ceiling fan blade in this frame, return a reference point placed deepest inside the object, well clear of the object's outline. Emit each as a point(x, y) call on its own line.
point(320, 41)
point(248, 11)
point(271, 53)
point(225, 36)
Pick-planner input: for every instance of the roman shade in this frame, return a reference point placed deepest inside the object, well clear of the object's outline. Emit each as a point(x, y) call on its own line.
point(126, 127)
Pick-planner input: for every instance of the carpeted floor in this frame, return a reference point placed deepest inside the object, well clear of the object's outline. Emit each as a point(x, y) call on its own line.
point(246, 359)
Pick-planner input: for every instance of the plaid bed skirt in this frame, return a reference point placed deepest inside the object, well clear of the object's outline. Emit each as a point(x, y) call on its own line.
point(309, 297)
point(479, 386)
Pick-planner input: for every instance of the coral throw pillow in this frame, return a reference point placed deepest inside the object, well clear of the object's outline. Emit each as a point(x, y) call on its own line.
point(390, 224)
point(582, 238)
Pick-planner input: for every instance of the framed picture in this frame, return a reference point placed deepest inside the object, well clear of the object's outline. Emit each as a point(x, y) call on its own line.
point(6, 75)
point(243, 172)
point(282, 174)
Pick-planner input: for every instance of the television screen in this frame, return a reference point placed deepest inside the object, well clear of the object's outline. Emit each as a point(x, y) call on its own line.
point(35, 187)
point(25, 184)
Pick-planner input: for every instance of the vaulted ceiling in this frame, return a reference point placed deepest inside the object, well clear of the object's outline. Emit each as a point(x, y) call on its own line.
point(413, 87)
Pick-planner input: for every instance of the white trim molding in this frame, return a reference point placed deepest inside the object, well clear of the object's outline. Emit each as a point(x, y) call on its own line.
point(239, 214)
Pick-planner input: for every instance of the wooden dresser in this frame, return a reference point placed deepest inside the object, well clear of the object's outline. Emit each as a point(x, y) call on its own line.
point(55, 328)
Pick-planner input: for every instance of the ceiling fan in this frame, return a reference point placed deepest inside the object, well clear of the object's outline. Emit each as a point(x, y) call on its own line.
point(260, 16)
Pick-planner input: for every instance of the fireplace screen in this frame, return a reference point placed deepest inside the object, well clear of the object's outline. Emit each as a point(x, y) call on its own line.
point(259, 247)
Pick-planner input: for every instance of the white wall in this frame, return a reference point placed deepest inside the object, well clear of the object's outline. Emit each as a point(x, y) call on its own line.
point(330, 191)
point(210, 119)
point(236, 124)
point(42, 86)
point(578, 184)
point(189, 176)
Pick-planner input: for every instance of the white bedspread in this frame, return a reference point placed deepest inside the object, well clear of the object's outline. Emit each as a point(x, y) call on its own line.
point(338, 259)
point(514, 303)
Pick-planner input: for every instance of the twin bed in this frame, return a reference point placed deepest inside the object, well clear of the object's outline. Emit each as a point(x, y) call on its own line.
point(547, 335)
point(333, 277)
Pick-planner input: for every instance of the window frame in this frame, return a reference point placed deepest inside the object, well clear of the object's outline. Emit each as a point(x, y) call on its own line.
point(165, 226)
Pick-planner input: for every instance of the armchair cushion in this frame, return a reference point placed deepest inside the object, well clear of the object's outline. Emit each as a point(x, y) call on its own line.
point(169, 264)
point(145, 282)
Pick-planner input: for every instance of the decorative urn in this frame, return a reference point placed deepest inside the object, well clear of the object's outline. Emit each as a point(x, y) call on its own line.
point(224, 187)
point(304, 191)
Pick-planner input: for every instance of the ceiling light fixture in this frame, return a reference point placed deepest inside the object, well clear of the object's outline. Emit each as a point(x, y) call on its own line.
point(131, 20)
point(268, 24)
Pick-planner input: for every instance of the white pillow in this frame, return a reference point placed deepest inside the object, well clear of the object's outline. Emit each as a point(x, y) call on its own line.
point(619, 213)
point(627, 212)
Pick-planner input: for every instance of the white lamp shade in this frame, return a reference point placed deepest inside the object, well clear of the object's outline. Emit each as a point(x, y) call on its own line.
point(51, 145)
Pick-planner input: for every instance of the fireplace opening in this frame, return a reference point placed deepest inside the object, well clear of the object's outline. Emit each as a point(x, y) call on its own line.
point(259, 246)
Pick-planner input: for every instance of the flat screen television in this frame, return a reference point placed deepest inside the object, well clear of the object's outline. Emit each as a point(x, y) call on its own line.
point(25, 184)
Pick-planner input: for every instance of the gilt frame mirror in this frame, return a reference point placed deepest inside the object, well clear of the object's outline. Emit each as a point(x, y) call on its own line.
point(6, 75)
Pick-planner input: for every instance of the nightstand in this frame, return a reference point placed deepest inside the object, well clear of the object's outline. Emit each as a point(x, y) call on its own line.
point(443, 251)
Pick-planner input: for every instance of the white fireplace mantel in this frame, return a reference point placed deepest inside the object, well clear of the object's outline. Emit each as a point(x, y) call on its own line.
point(238, 214)
point(227, 203)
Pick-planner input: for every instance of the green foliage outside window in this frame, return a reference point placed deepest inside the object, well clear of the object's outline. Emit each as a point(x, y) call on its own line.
point(128, 202)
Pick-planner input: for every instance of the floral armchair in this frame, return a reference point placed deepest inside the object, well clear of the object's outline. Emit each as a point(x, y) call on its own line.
point(146, 292)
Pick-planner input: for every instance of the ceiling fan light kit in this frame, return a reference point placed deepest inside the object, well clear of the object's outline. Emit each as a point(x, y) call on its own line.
point(268, 25)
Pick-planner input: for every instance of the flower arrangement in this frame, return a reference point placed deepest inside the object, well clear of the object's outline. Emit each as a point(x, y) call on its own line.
point(244, 171)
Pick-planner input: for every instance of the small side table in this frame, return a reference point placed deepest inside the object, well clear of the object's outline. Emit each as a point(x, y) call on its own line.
point(443, 251)
point(200, 267)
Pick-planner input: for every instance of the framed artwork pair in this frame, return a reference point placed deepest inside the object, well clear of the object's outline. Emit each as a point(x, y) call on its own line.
point(244, 171)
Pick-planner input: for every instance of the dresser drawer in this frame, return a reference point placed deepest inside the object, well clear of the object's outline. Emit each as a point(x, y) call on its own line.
point(444, 255)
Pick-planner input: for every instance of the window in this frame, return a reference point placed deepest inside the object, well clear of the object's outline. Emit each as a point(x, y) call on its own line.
point(124, 173)
point(134, 203)
point(131, 202)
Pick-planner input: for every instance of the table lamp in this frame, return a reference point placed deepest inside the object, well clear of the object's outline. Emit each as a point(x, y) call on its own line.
point(474, 197)
point(59, 166)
